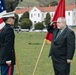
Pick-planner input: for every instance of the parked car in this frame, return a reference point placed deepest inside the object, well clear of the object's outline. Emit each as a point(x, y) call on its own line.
point(44, 30)
point(17, 28)
point(37, 30)
point(25, 30)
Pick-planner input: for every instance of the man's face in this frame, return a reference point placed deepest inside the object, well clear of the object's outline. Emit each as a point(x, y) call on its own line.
point(60, 24)
point(11, 20)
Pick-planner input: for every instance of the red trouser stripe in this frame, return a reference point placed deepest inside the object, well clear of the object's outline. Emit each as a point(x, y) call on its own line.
point(10, 70)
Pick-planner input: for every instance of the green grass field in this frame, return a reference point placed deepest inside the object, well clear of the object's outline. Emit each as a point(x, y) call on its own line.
point(28, 46)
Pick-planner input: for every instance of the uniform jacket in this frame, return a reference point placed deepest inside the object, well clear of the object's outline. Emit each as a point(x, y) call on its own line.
point(7, 45)
point(63, 47)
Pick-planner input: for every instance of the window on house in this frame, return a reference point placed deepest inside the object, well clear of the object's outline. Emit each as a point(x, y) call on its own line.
point(74, 13)
point(38, 15)
point(42, 15)
point(68, 13)
point(74, 21)
point(31, 15)
point(34, 22)
point(34, 14)
point(34, 9)
point(52, 14)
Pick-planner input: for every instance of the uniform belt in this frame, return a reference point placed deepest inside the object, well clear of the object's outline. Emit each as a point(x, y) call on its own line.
point(1, 45)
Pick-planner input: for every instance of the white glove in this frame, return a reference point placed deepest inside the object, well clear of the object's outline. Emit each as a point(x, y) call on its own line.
point(8, 62)
point(69, 61)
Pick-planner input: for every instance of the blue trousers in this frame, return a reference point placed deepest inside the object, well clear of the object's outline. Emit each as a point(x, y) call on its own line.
point(7, 70)
point(0, 70)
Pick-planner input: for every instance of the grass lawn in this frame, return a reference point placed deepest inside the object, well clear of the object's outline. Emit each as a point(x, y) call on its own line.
point(28, 46)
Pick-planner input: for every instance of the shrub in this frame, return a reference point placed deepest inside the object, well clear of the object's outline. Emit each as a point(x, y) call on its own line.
point(16, 20)
point(25, 23)
point(39, 25)
point(47, 19)
point(25, 15)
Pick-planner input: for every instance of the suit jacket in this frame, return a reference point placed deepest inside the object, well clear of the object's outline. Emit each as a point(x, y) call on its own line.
point(63, 47)
point(7, 45)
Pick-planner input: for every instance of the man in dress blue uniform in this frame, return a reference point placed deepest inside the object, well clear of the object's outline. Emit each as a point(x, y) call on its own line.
point(7, 53)
point(62, 47)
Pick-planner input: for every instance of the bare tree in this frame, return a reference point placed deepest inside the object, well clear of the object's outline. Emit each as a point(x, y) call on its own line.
point(43, 2)
point(11, 4)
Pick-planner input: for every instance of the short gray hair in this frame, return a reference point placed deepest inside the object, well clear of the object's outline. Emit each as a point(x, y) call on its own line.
point(62, 19)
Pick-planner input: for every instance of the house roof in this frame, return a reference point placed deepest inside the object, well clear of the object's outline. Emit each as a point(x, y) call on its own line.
point(70, 7)
point(53, 8)
point(47, 9)
point(21, 11)
point(44, 9)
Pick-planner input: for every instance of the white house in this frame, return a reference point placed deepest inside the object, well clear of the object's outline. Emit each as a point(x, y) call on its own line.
point(71, 15)
point(37, 14)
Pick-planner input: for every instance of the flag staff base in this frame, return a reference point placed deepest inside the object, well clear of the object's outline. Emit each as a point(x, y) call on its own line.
point(39, 57)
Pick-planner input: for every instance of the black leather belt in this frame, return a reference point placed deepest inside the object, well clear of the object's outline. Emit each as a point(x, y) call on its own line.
point(1, 45)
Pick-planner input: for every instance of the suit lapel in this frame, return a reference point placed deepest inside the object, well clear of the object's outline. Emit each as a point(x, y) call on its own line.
point(61, 35)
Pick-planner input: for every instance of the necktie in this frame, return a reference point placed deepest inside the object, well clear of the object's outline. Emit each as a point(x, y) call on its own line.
point(59, 32)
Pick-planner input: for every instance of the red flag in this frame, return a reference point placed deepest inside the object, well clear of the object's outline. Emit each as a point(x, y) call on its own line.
point(60, 12)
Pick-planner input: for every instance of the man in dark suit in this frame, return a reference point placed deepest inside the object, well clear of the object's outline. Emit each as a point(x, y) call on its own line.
point(7, 53)
point(62, 46)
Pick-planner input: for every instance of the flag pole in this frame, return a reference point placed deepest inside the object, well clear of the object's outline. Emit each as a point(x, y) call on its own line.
point(38, 57)
point(19, 73)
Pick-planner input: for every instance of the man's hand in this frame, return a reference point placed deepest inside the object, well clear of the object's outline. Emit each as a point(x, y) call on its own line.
point(8, 62)
point(69, 61)
point(54, 22)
